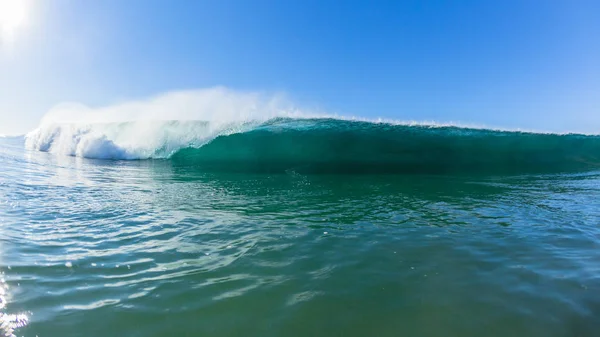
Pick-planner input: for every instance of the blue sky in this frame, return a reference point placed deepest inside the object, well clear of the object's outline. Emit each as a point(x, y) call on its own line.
point(514, 64)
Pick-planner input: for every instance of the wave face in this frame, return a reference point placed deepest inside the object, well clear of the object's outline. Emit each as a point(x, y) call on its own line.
point(325, 145)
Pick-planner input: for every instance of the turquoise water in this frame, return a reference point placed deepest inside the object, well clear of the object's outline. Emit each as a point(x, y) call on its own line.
point(300, 228)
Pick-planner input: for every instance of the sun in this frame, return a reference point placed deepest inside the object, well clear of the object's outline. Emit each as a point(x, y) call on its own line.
point(12, 15)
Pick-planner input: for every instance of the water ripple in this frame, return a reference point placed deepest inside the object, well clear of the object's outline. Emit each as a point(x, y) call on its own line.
point(92, 245)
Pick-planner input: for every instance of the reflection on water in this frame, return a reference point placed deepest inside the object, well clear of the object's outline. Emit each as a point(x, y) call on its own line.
point(9, 321)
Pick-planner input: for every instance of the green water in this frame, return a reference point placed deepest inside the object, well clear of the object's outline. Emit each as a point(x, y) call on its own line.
point(165, 248)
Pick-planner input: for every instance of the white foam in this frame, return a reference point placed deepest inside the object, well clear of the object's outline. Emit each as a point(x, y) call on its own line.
point(155, 127)
point(130, 140)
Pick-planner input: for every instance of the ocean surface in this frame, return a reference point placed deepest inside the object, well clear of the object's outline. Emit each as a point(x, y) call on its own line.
point(298, 227)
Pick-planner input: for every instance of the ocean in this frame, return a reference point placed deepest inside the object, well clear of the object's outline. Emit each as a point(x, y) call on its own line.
point(298, 227)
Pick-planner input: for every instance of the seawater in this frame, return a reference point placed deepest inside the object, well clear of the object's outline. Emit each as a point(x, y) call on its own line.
point(299, 228)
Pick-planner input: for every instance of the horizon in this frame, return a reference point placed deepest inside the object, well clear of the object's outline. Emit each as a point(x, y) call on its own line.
point(510, 66)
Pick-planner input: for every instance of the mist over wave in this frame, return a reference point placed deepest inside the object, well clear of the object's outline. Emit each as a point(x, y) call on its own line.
point(156, 127)
point(217, 105)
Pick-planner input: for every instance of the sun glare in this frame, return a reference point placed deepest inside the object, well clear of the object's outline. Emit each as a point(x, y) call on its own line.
point(12, 15)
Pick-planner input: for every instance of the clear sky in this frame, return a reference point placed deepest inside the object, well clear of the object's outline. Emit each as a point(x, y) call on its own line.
point(511, 63)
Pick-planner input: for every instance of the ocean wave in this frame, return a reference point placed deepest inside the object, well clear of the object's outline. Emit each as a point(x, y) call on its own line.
point(323, 145)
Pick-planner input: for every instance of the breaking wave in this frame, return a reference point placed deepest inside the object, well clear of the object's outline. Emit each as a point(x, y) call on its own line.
point(323, 145)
